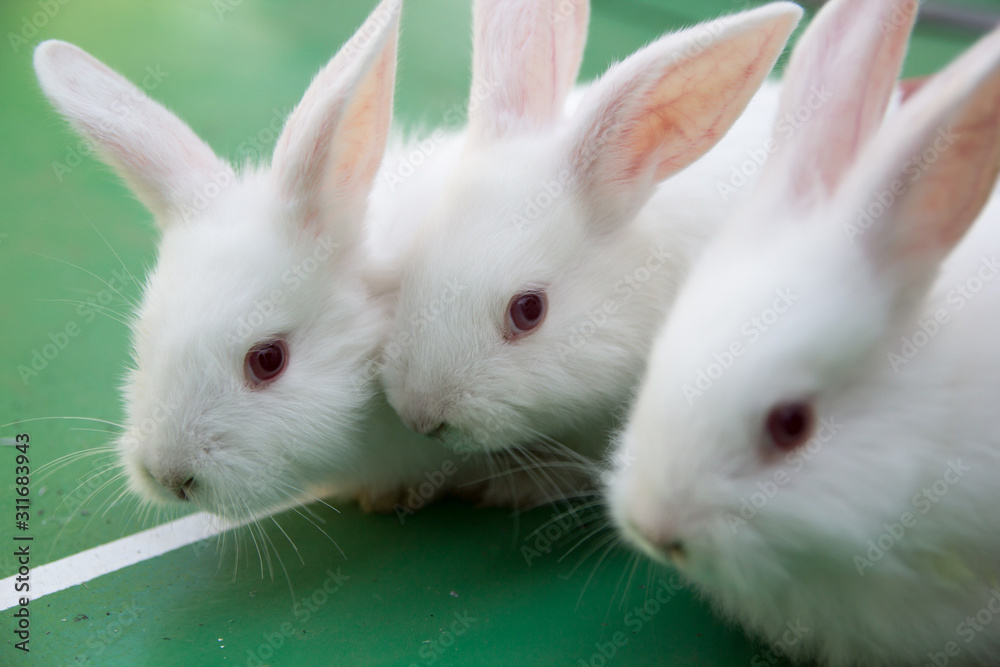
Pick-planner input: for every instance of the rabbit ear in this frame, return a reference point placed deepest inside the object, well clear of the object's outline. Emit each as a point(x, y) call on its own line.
point(162, 160)
point(927, 176)
point(665, 106)
point(333, 142)
point(526, 57)
point(841, 77)
point(908, 87)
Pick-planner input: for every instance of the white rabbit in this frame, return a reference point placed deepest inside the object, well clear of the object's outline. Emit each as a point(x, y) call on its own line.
point(253, 341)
point(542, 221)
point(814, 444)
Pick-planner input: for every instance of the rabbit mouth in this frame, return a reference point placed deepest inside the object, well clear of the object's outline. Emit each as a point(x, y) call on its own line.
point(150, 488)
point(475, 438)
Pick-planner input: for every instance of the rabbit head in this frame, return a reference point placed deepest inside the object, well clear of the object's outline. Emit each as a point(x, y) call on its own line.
point(770, 438)
point(526, 298)
point(255, 326)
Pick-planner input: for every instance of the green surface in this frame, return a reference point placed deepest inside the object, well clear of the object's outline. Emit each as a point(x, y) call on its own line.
point(228, 74)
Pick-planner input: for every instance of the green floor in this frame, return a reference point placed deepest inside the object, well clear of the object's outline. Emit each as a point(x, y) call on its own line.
point(453, 585)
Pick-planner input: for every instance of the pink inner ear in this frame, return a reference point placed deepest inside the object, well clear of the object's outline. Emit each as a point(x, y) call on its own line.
point(517, 91)
point(526, 57)
point(845, 70)
point(360, 163)
point(650, 132)
point(946, 155)
point(672, 125)
point(554, 72)
point(909, 87)
point(956, 203)
point(156, 153)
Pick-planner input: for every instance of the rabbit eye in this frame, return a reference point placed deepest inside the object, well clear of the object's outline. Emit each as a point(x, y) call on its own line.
point(265, 362)
point(789, 425)
point(525, 312)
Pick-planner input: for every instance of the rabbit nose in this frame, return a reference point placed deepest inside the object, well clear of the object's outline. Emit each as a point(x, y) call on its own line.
point(424, 421)
point(675, 552)
point(660, 541)
point(438, 431)
point(179, 483)
point(182, 490)
point(428, 426)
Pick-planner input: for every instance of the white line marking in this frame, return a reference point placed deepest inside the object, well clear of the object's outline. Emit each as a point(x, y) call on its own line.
point(92, 563)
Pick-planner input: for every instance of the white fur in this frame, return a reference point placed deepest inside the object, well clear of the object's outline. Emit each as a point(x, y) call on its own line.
point(648, 118)
point(690, 464)
point(279, 251)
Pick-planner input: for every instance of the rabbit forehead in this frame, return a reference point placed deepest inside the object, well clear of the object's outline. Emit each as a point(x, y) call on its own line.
point(238, 276)
point(238, 271)
point(516, 190)
point(505, 222)
point(480, 238)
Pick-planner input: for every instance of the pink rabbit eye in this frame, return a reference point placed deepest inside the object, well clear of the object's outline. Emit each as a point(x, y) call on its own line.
point(789, 425)
point(525, 312)
point(265, 362)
